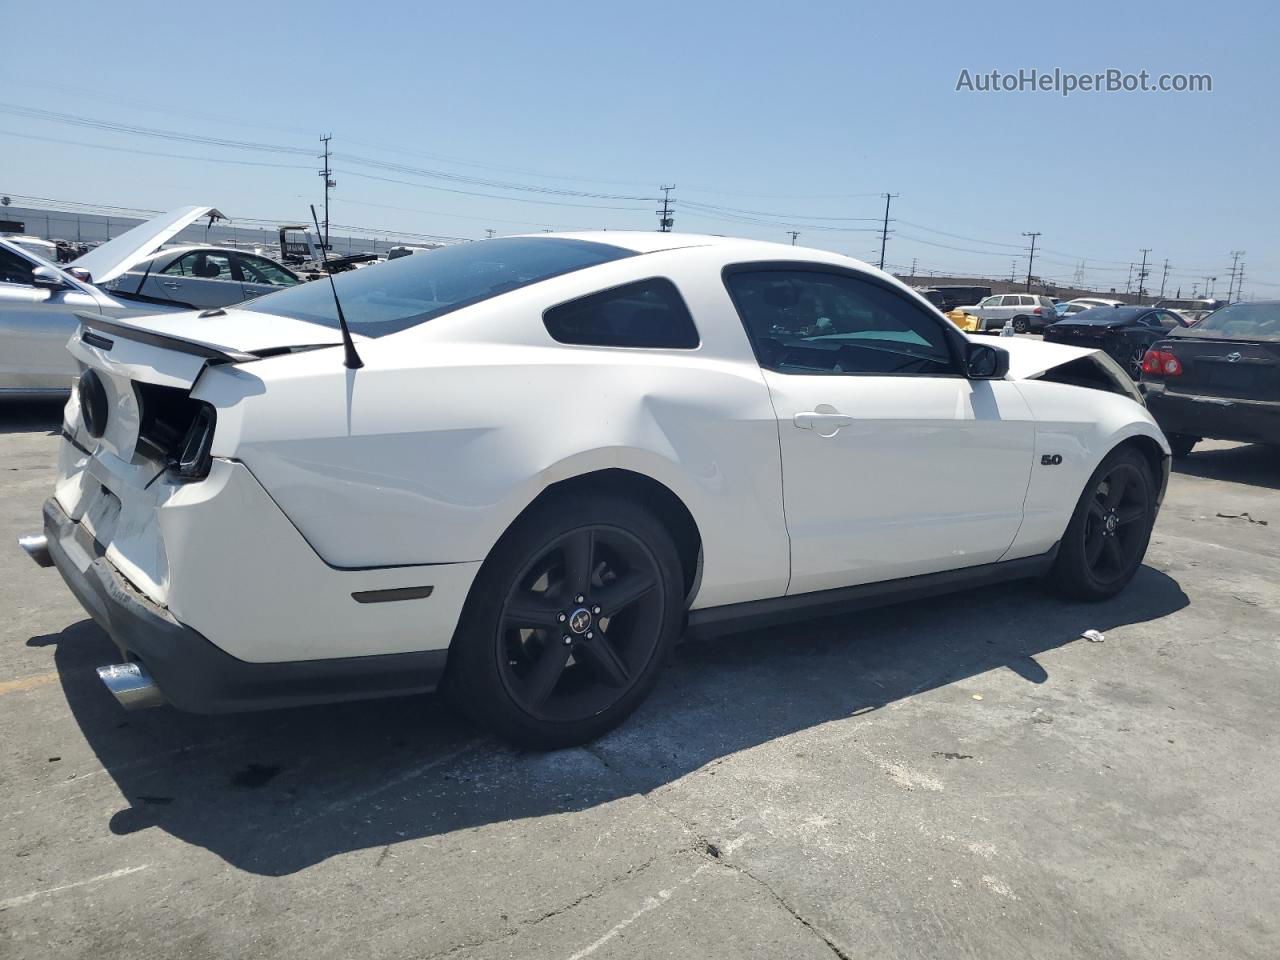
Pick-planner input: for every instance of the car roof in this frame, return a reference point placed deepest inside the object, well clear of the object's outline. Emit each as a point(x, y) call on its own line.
point(189, 247)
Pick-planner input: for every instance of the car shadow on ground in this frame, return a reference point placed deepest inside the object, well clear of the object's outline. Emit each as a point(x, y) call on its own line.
point(31, 416)
point(273, 793)
point(1255, 464)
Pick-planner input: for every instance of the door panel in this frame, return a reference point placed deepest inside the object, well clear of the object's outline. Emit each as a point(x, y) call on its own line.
point(898, 476)
point(35, 325)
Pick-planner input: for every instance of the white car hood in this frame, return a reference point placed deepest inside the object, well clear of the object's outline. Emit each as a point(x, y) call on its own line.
point(119, 255)
point(1030, 358)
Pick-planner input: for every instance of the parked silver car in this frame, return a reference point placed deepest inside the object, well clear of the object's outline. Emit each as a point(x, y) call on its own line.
point(1027, 311)
point(121, 278)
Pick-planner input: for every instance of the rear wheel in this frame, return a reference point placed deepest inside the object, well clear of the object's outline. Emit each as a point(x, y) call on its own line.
point(1021, 324)
point(1134, 364)
point(1181, 444)
point(568, 623)
point(1109, 531)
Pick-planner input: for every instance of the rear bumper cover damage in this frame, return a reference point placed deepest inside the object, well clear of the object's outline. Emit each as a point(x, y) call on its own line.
point(194, 674)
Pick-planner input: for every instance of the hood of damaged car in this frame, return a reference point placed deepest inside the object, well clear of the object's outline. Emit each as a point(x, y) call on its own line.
point(1030, 358)
point(119, 255)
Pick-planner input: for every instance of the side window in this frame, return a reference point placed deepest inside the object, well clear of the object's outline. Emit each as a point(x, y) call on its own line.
point(184, 266)
point(13, 268)
point(261, 270)
point(1168, 320)
point(802, 321)
point(204, 265)
point(990, 302)
point(650, 313)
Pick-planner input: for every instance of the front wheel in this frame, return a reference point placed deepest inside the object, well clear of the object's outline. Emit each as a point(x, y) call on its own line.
point(1109, 531)
point(569, 622)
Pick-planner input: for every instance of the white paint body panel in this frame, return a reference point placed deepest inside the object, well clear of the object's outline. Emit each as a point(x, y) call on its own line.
point(407, 471)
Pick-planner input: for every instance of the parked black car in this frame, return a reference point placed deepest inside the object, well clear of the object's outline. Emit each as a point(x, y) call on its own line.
point(1219, 378)
point(1124, 333)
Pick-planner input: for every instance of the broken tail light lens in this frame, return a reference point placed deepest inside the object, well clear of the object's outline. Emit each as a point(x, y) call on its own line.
point(194, 458)
point(1161, 363)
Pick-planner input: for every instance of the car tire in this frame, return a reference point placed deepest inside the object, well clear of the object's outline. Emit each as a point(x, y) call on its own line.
point(1021, 325)
point(1107, 536)
point(1181, 444)
point(498, 670)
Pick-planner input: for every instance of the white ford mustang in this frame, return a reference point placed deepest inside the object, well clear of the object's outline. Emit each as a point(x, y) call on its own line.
point(545, 458)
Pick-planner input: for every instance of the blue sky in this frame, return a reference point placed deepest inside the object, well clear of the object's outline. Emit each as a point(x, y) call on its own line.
point(794, 111)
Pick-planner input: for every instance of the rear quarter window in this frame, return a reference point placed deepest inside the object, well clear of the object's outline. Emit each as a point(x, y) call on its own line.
point(649, 313)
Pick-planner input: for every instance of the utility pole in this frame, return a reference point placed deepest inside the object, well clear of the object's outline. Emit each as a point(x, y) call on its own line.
point(1195, 289)
point(884, 232)
point(1235, 262)
point(329, 183)
point(488, 233)
point(1208, 287)
point(914, 261)
point(1032, 258)
point(665, 220)
point(1013, 269)
point(794, 234)
point(1164, 276)
point(1128, 283)
point(1142, 274)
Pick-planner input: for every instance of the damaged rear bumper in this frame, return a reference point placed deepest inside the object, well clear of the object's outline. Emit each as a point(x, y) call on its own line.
point(196, 675)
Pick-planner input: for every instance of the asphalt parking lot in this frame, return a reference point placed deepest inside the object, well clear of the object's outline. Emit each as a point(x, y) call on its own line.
point(966, 777)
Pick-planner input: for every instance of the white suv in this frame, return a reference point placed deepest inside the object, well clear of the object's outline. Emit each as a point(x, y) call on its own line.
point(1027, 311)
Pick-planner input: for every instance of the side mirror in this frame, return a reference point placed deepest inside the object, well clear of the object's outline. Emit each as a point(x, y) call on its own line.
point(47, 278)
point(984, 362)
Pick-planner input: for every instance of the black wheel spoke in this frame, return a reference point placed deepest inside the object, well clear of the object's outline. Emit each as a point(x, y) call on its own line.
point(546, 672)
point(1093, 547)
point(533, 611)
point(1111, 547)
point(579, 555)
point(623, 592)
point(1096, 512)
point(603, 657)
point(1125, 515)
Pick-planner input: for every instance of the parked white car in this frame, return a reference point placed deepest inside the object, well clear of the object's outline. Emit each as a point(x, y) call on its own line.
point(546, 457)
point(121, 278)
point(1027, 312)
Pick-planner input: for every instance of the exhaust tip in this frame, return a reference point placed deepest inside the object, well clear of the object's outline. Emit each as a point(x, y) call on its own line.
point(131, 685)
point(37, 548)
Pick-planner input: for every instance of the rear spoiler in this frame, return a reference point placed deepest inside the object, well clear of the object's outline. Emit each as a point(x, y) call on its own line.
point(94, 325)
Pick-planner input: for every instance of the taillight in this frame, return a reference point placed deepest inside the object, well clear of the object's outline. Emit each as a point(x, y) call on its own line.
point(1036, 310)
point(193, 460)
point(1161, 363)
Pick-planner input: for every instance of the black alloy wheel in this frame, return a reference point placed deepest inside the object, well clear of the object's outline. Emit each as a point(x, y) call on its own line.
point(1115, 534)
point(1020, 325)
point(1133, 365)
point(569, 621)
point(580, 622)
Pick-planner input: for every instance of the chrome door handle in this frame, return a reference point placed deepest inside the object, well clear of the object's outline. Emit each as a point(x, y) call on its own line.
point(171, 284)
point(824, 422)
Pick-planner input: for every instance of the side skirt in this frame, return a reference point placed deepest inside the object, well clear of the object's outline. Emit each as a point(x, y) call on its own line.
point(755, 614)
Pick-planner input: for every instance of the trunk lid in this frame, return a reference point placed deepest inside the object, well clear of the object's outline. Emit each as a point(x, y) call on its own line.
point(1218, 367)
point(148, 366)
point(118, 255)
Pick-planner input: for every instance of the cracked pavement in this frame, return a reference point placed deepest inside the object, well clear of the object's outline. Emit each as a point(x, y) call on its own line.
point(831, 789)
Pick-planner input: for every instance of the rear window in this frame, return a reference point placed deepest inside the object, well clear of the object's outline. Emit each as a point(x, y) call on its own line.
point(1245, 320)
point(403, 293)
point(650, 313)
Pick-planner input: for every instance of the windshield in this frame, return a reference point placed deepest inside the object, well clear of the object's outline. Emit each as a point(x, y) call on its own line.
point(411, 290)
point(1244, 319)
